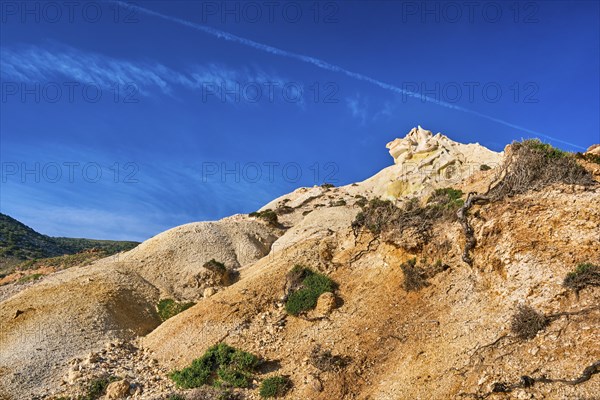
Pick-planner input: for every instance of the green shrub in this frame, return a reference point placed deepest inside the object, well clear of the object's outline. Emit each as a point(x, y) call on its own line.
point(30, 278)
point(444, 203)
point(381, 215)
point(593, 158)
point(221, 366)
point(361, 201)
point(533, 165)
point(527, 322)
point(304, 295)
point(327, 185)
point(168, 308)
point(215, 266)
point(276, 386)
point(268, 215)
point(337, 203)
point(484, 167)
point(176, 397)
point(584, 275)
point(97, 388)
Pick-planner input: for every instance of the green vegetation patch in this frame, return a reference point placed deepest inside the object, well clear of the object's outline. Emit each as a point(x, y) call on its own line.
point(30, 278)
point(533, 165)
point(585, 275)
point(97, 388)
point(276, 386)
point(593, 158)
point(221, 366)
point(268, 215)
point(168, 308)
point(380, 216)
point(306, 287)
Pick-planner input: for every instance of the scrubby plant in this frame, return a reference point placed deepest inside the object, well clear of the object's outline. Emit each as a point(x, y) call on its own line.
point(325, 361)
point(415, 278)
point(168, 308)
point(215, 266)
point(382, 217)
point(221, 366)
point(532, 165)
point(97, 388)
point(444, 203)
point(584, 275)
point(327, 185)
point(268, 215)
point(226, 276)
point(176, 397)
point(484, 167)
point(337, 203)
point(305, 288)
point(361, 201)
point(527, 322)
point(284, 210)
point(276, 386)
point(593, 158)
point(30, 278)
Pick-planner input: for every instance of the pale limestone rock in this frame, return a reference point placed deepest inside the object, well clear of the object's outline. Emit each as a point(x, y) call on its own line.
point(117, 390)
point(423, 162)
point(325, 304)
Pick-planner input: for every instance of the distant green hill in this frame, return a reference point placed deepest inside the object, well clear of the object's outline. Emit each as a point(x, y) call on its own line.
point(19, 243)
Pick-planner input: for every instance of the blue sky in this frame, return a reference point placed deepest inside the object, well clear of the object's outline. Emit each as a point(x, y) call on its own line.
point(120, 120)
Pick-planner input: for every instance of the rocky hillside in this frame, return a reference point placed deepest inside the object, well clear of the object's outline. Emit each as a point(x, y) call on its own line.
point(455, 273)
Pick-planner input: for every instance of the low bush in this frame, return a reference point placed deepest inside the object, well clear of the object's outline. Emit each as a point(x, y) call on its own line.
point(361, 201)
point(29, 278)
point(385, 218)
point(327, 185)
point(325, 361)
point(168, 308)
point(276, 386)
point(215, 266)
point(224, 276)
point(484, 167)
point(305, 287)
point(337, 203)
point(415, 278)
point(533, 165)
point(593, 158)
point(583, 276)
point(97, 388)
point(527, 322)
point(221, 366)
point(267, 215)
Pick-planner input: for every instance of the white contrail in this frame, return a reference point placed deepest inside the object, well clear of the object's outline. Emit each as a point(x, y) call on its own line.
point(329, 67)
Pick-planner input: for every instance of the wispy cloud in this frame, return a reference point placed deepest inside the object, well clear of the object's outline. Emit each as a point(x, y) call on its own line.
point(358, 108)
point(39, 65)
point(322, 64)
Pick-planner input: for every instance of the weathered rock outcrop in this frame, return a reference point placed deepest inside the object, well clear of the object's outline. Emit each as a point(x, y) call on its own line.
point(450, 339)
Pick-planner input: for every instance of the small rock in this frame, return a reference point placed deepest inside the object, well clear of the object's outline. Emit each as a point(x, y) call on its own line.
point(73, 375)
point(314, 383)
point(325, 304)
point(209, 291)
point(117, 390)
